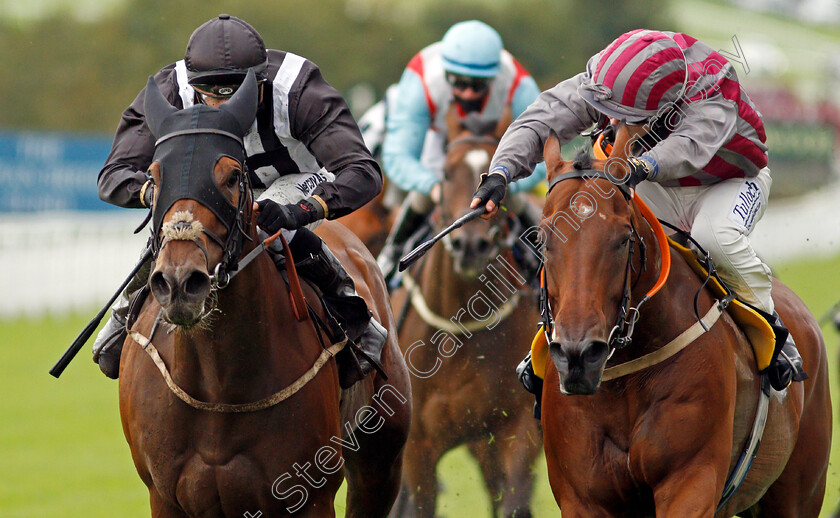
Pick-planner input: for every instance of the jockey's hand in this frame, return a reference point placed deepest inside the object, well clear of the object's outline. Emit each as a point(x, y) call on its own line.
point(147, 193)
point(491, 189)
point(271, 216)
point(435, 193)
point(639, 171)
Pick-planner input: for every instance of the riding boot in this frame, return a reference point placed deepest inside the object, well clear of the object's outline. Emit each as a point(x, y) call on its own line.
point(787, 363)
point(318, 264)
point(408, 222)
point(531, 382)
point(107, 348)
point(526, 254)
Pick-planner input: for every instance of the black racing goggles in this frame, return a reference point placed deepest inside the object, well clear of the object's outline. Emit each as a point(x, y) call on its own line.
point(459, 82)
point(216, 91)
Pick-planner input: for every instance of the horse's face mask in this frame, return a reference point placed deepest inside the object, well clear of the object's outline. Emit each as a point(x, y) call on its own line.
point(190, 143)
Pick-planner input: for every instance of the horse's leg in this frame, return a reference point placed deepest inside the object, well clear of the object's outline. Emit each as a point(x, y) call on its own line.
point(163, 509)
point(490, 461)
point(800, 489)
point(691, 491)
point(374, 470)
point(421, 459)
point(519, 444)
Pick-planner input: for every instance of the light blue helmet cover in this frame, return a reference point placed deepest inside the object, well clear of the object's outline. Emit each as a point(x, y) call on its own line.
point(472, 48)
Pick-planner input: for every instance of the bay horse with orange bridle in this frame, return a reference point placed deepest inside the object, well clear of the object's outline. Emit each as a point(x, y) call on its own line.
point(662, 440)
point(468, 320)
point(229, 392)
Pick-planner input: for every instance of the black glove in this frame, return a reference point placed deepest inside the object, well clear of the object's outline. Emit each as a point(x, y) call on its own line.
point(272, 216)
point(639, 171)
point(492, 187)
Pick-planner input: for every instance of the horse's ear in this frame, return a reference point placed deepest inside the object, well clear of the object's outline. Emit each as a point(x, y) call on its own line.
point(156, 106)
point(504, 122)
point(626, 137)
point(243, 104)
point(551, 154)
point(453, 123)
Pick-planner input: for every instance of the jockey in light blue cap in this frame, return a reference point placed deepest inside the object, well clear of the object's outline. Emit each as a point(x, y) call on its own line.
point(470, 68)
point(472, 48)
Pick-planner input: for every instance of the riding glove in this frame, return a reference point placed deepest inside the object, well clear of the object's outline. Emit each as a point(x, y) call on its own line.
point(492, 187)
point(272, 216)
point(639, 171)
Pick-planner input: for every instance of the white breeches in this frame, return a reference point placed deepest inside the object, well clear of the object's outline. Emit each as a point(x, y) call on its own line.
point(721, 217)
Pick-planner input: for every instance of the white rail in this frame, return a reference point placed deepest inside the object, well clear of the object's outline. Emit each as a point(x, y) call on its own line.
point(61, 262)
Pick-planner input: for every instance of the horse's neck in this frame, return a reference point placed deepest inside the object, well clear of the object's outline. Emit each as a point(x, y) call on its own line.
point(229, 351)
point(672, 307)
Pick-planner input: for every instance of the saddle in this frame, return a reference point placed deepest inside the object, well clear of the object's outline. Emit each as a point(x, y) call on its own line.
point(755, 327)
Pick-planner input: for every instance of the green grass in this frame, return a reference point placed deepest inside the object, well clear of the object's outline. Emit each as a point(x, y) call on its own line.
point(63, 454)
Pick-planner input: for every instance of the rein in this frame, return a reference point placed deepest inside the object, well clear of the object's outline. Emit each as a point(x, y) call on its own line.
point(227, 408)
point(418, 302)
point(473, 139)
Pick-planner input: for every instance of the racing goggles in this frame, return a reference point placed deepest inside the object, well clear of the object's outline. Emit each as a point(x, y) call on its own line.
point(459, 82)
point(216, 91)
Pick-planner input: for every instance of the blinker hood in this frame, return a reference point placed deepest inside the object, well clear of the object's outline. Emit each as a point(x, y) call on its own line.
point(191, 142)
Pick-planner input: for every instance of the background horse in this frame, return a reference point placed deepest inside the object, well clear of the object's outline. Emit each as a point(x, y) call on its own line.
point(372, 222)
point(663, 440)
point(465, 390)
point(233, 452)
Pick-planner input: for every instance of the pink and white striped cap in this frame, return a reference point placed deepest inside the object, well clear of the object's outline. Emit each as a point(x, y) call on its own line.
point(637, 75)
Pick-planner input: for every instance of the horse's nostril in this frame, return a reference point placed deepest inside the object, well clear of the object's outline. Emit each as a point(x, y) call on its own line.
point(197, 284)
point(595, 352)
point(457, 243)
point(161, 288)
point(482, 246)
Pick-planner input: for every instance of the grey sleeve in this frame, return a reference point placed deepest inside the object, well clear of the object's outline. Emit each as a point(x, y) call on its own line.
point(321, 119)
point(124, 172)
point(560, 109)
point(706, 125)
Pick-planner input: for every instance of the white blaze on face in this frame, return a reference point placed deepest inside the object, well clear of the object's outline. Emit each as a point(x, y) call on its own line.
point(478, 160)
point(582, 207)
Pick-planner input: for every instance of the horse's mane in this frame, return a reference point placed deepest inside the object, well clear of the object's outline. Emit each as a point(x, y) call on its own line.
point(583, 159)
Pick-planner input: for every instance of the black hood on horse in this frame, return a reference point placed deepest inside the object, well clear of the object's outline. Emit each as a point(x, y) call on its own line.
point(191, 142)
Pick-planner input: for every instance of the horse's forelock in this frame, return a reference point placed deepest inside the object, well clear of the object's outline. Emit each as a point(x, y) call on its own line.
point(583, 159)
point(477, 126)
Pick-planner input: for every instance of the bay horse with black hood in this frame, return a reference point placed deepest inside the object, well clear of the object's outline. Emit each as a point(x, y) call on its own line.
point(229, 391)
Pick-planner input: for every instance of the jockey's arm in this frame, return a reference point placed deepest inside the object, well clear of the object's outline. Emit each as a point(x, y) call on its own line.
point(406, 126)
point(526, 93)
point(560, 110)
point(321, 119)
point(706, 126)
point(124, 173)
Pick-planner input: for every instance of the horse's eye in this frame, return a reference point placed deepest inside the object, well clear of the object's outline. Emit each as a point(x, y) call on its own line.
point(234, 179)
point(626, 239)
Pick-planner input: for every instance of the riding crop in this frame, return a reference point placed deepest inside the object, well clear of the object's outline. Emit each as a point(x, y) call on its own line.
point(424, 247)
point(83, 337)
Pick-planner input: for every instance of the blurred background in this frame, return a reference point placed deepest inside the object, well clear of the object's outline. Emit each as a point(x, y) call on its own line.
point(70, 67)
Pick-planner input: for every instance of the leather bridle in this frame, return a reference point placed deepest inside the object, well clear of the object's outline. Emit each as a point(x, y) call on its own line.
point(621, 334)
